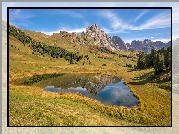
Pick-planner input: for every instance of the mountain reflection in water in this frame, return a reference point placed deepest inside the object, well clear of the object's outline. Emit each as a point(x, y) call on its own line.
point(108, 89)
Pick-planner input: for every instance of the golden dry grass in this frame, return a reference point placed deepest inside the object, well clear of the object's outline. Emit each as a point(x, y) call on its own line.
point(30, 105)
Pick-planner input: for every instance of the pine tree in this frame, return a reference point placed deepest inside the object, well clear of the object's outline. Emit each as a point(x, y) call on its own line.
point(141, 61)
point(153, 53)
point(148, 61)
point(158, 63)
point(165, 54)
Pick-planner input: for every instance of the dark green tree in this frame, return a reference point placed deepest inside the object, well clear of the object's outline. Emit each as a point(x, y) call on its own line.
point(153, 53)
point(165, 54)
point(42, 48)
point(158, 63)
point(141, 61)
point(148, 61)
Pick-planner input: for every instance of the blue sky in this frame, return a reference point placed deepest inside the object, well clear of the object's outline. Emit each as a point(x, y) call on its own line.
point(174, 5)
point(129, 24)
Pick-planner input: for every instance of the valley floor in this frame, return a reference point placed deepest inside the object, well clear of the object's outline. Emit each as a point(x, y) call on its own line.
point(31, 106)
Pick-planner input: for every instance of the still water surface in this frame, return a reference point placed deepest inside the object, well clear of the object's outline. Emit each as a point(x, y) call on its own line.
point(110, 90)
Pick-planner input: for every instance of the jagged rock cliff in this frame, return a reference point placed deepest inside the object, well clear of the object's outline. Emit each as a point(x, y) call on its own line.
point(101, 38)
point(95, 36)
point(147, 45)
point(118, 43)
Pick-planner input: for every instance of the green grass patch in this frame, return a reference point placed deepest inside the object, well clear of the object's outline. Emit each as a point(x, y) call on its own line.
point(32, 106)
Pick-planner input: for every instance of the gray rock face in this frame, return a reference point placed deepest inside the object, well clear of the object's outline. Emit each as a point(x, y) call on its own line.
point(147, 45)
point(116, 43)
point(95, 36)
point(101, 38)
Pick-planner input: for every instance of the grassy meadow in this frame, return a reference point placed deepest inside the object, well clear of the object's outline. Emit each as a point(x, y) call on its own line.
point(32, 106)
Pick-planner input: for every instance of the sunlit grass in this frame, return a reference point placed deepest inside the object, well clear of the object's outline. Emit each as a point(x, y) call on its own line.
point(31, 105)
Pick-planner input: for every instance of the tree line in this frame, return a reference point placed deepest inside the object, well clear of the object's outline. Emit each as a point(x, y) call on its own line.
point(42, 48)
point(160, 60)
point(37, 78)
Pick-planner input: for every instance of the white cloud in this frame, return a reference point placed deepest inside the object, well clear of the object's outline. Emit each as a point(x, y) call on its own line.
point(141, 14)
point(162, 40)
point(106, 30)
point(161, 20)
point(151, 37)
point(120, 26)
point(77, 30)
point(116, 22)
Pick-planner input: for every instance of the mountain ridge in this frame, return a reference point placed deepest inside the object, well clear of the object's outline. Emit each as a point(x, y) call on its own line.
point(95, 36)
point(116, 43)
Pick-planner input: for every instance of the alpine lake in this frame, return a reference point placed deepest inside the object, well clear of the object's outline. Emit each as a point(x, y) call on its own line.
point(109, 90)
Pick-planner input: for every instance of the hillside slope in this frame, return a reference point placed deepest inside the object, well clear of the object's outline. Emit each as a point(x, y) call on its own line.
point(32, 106)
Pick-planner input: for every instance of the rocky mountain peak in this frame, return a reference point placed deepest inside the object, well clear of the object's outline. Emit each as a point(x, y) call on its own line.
point(119, 43)
point(101, 38)
point(93, 28)
point(147, 41)
point(94, 35)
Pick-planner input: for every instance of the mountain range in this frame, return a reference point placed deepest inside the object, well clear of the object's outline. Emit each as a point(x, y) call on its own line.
point(99, 37)
point(95, 36)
